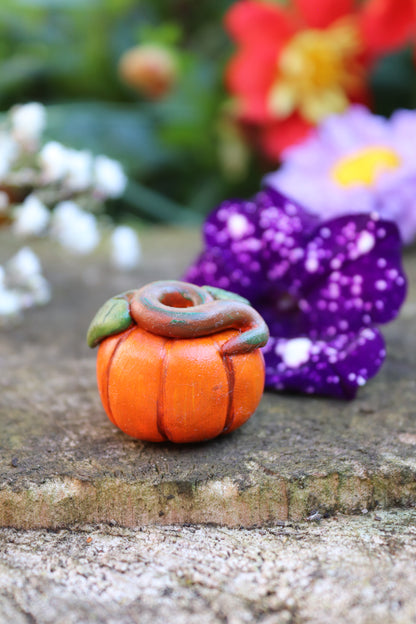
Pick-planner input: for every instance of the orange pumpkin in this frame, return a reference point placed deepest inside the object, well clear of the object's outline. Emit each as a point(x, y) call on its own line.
point(183, 389)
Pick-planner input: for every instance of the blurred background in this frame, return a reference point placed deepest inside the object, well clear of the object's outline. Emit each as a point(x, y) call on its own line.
point(173, 135)
point(176, 139)
point(171, 128)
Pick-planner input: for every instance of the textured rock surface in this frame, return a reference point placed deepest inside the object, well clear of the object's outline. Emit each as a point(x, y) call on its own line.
point(62, 461)
point(349, 570)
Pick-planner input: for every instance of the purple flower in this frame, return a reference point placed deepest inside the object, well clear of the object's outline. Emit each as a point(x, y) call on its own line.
point(355, 162)
point(322, 287)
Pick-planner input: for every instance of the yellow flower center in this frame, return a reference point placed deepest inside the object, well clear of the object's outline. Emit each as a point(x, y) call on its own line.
point(365, 166)
point(316, 71)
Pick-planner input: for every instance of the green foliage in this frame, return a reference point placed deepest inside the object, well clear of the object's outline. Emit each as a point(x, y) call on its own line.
point(65, 53)
point(182, 153)
point(393, 82)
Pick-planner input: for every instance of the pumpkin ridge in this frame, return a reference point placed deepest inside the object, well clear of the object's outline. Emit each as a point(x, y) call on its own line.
point(160, 403)
point(122, 339)
point(230, 373)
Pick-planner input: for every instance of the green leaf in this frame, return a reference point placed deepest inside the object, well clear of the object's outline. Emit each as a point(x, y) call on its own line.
point(120, 131)
point(393, 82)
point(149, 203)
point(112, 318)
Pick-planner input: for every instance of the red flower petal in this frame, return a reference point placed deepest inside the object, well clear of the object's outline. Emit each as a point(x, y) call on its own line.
point(387, 24)
point(249, 21)
point(322, 13)
point(279, 135)
point(250, 75)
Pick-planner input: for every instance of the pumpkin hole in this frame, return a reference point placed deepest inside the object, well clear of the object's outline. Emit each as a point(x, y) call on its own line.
point(176, 300)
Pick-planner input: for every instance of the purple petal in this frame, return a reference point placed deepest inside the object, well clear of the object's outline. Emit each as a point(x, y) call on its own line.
point(282, 315)
point(233, 244)
point(403, 135)
point(286, 228)
point(355, 128)
point(218, 267)
point(351, 276)
point(284, 214)
point(335, 367)
point(250, 244)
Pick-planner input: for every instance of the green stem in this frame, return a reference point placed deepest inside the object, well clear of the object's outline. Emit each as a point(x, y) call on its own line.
point(147, 202)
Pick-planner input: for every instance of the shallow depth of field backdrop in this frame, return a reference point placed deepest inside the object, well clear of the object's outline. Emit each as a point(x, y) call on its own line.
point(179, 148)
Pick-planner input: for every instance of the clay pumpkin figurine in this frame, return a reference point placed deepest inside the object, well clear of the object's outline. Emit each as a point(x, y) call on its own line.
point(178, 362)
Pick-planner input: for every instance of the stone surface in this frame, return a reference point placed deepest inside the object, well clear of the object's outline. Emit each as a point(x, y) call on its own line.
point(347, 570)
point(62, 462)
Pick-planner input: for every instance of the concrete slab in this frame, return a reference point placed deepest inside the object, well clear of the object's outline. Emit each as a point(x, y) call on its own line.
point(346, 570)
point(62, 462)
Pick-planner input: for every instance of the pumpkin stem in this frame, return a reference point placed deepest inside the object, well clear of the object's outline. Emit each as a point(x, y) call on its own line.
point(180, 310)
point(220, 293)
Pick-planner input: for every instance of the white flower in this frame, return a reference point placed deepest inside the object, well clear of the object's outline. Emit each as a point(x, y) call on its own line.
point(9, 303)
point(22, 267)
point(22, 284)
point(9, 299)
point(78, 170)
point(9, 151)
point(110, 179)
point(28, 122)
point(74, 228)
point(38, 292)
point(53, 159)
point(125, 248)
point(30, 218)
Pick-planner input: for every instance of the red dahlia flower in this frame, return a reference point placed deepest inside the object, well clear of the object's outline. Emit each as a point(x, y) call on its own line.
point(297, 64)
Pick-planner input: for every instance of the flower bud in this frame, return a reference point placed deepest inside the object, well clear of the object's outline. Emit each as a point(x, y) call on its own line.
point(150, 69)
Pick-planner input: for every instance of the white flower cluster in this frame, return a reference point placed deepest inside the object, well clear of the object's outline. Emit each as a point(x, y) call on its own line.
point(75, 229)
point(22, 285)
point(79, 171)
point(74, 170)
point(54, 191)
